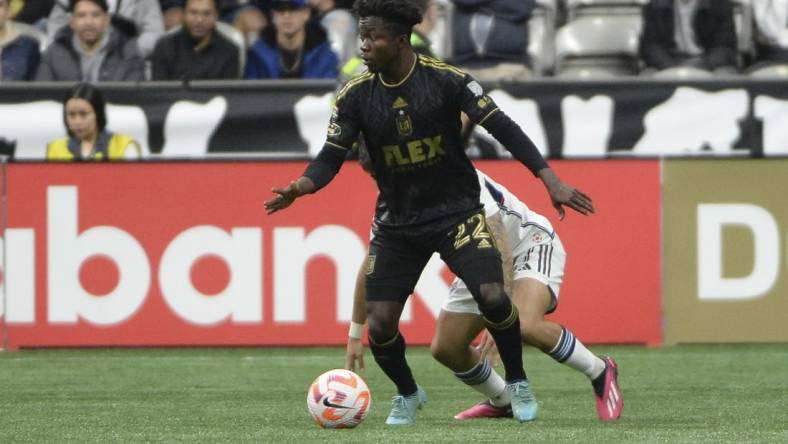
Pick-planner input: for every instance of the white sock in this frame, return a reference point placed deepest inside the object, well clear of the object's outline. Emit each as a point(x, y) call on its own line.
point(486, 381)
point(573, 353)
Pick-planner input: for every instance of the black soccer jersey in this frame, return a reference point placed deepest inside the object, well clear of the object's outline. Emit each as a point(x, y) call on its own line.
point(412, 132)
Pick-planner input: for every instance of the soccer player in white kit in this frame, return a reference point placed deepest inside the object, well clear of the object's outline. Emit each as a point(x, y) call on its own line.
point(534, 261)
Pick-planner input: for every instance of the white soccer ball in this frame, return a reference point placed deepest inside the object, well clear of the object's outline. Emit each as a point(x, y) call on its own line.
point(338, 399)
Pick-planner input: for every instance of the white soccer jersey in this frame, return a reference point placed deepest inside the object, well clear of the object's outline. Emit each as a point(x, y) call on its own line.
point(536, 249)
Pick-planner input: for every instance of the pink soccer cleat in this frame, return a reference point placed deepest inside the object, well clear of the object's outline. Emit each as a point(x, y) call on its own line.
point(485, 410)
point(610, 404)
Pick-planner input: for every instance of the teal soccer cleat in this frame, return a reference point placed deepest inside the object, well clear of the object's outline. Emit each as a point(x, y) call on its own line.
point(524, 406)
point(403, 410)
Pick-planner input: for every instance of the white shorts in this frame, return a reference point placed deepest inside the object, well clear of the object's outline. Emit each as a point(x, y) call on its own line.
point(536, 256)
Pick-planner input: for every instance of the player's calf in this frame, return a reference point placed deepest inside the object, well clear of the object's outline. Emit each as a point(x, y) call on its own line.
point(505, 330)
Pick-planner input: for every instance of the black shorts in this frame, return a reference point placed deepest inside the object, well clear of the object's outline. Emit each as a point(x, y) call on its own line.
point(396, 261)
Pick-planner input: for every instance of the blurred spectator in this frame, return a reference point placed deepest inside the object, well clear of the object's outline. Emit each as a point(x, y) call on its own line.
point(418, 40)
point(172, 11)
point(248, 16)
point(340, 25)
point(30, 11)
point(292, 47)
point(91, 50)
point(490, 38)
point(19, 54)
point(689, 33)
point(140, 19)
point(85, 118)
point(771, 31)
point(197, 50)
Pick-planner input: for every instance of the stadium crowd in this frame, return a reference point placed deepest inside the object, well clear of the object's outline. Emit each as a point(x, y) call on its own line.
point(117, 40)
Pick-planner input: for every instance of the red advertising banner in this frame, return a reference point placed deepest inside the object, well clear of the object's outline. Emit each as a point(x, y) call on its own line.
point(182, 254)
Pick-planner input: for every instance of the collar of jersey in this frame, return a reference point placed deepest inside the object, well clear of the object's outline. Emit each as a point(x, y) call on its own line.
point(394, 85)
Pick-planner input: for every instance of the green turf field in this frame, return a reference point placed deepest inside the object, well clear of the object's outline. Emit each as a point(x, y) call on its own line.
point(674, 394)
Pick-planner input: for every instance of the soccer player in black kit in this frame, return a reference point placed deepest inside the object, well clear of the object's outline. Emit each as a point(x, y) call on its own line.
point(407, 107)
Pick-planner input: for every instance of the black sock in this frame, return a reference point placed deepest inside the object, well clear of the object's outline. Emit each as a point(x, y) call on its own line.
point(599, 383)
point(503, 323)
point(390, 356)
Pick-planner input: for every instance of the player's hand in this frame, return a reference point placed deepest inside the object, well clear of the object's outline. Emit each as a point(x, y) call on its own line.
point(285, 196)
point(488, 349)
point(562, 194)
point(354, 354)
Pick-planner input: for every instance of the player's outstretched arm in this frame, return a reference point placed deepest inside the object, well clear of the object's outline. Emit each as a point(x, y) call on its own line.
point(318, 174)
point(563, 194)
point(354, 353)
point(285, 196)
point(506, 131)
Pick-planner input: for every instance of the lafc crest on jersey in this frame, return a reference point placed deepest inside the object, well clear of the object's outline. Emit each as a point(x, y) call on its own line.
point(404, 125)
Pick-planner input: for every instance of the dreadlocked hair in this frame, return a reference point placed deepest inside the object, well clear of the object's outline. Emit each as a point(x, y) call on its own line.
point(400, 16)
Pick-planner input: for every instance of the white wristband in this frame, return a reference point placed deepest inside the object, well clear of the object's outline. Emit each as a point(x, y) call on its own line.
point(355, 330)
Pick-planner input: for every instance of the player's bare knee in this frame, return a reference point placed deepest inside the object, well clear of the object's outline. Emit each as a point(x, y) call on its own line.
point(525, 331)
point(531, 326)
point(531, 334)
point(447, 353)
point(440, 352)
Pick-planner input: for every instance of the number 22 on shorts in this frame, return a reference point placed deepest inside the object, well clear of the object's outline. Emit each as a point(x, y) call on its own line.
point(478, 233)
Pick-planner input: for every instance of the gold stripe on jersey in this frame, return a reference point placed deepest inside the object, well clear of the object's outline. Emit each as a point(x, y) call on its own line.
point(337, 146)
point(394, 85)
point(434, 63)
point(353, 82)
point(487, 116)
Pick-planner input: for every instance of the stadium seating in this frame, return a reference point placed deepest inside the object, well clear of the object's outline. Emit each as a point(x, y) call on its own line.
point(597, 46)
point(237, 37)
point(771, 72)
point(743, 19)
point(742, 14)
point(602, 8)
point(593, 47)
point(541, 34)
point(683, 73)
point(541, 37)
point(440, 37)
